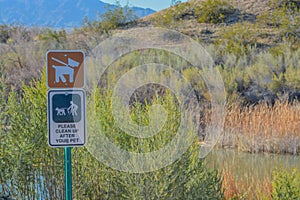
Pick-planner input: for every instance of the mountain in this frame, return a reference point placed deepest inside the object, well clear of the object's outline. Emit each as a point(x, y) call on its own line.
point(55, 13)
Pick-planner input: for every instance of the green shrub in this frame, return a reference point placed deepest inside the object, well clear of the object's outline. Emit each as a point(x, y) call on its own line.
point(4, 36)
point(275, 69)
point(285, 17)
point(30, 169)
point(286, 184)
point(214, 11)
point(292, 77)
point(240, 40)
point(112, 19)
point(186, 178)
point(48, 35)
point(119, 16)
point(291, 4)
point(172, 16)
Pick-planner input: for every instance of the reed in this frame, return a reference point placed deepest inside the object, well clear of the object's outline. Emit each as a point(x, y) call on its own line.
point(262, 128)
point(245, 188)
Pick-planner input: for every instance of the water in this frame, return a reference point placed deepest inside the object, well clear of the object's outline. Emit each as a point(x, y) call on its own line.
point(250, 166)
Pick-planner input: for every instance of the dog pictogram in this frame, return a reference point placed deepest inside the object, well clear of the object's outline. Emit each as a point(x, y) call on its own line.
point(66, 69)
point(60, 111)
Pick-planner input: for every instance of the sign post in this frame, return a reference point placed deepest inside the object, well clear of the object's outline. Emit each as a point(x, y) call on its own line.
point(66, 105)
point(68, 172)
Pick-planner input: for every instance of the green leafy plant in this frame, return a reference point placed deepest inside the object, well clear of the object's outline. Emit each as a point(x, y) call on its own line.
point(4, 30)
point(29, 163)
point(286, 184)
point(240, 40)
point(285, 17)
point(112, 19)
point(187, 178)
point(174, 15)
point(31, 169)
point(214, 11)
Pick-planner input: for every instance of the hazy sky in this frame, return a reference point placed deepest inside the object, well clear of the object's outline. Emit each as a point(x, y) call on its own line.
point(153, 4)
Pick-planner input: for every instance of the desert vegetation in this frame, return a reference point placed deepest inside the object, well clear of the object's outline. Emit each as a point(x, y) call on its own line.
point(258, 55)
point(282, 184)
point(30, 169)
point(260, 129)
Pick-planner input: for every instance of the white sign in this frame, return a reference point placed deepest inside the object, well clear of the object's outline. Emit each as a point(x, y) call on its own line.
point(66, 118)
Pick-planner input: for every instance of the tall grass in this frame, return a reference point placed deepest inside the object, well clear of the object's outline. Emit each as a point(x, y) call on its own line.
point(246, 188)
point(263, 129)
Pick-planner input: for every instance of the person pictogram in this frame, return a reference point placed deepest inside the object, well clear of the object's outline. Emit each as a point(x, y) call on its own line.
point(72, 109)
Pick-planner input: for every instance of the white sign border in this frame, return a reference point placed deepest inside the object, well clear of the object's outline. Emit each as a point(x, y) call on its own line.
point(49, 115)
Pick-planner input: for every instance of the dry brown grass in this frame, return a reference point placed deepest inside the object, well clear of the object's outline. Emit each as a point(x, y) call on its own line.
point(241, 188)
point(263, 129)
point(230, 186)
point(257, 129)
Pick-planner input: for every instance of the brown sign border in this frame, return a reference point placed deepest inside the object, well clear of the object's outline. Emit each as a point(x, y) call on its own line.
point(82, 83)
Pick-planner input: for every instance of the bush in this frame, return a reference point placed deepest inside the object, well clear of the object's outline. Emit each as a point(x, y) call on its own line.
point(214, 11)
point(112, 19)
point(187, 178)
point(4, 36)
point(30, 169)
point(119, 16)
point(291, 4)
point(172, 16)
point(285, 16)
point(286, 185)
point(240, 40)
point(274, 70)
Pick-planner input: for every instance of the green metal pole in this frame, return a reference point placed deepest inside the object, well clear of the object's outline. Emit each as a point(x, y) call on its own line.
point(68, 172)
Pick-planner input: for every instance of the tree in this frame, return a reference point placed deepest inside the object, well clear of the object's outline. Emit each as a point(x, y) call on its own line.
point(175, 2)
point(113, 18)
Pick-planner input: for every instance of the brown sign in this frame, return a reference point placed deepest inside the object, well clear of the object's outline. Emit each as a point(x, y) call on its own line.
point(65, 69)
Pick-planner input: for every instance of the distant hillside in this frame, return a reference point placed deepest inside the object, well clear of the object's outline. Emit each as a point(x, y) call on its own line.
point(265, 21)
point(55, 13)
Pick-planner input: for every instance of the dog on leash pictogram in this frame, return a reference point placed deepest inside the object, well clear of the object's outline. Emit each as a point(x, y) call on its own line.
point(66, 70)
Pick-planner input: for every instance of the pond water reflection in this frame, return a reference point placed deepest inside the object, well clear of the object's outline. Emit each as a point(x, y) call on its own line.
point(250, 166)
